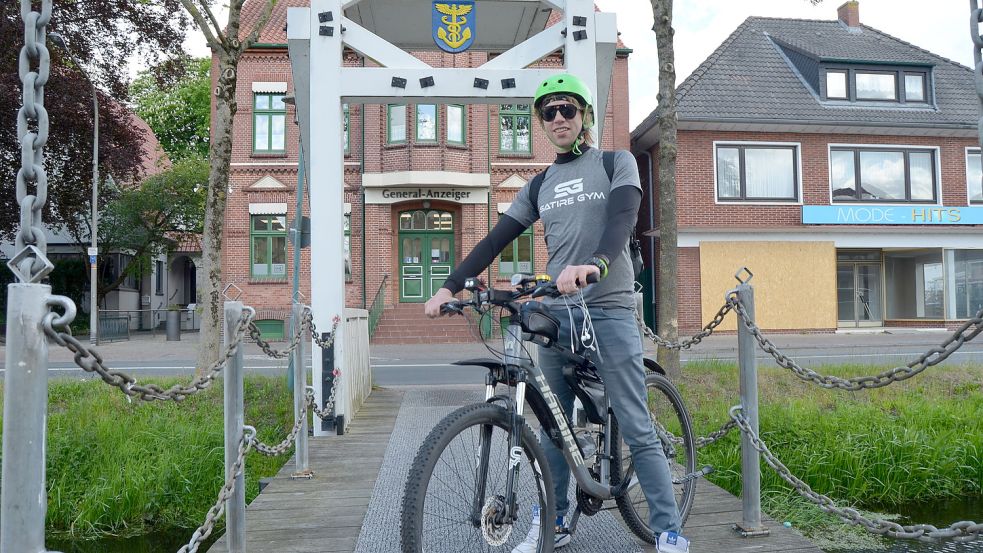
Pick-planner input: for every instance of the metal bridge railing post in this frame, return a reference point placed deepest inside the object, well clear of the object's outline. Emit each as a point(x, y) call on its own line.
point(300, 393)
point(750, 458)
point(236, 510)
point(23, 500)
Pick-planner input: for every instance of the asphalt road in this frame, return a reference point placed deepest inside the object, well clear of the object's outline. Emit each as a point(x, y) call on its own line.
point(430, 364)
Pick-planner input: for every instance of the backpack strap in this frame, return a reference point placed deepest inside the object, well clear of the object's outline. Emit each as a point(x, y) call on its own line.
point(534, 185)
point(608, 159)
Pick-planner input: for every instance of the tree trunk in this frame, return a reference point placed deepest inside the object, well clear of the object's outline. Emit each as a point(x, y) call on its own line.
point(668, 308)
point(220, 155)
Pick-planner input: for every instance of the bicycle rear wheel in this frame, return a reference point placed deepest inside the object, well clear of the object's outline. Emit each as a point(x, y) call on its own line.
point(675, 429)
point(450, 500)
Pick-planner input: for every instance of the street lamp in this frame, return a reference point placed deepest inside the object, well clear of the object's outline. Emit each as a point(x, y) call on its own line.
point(58, 41)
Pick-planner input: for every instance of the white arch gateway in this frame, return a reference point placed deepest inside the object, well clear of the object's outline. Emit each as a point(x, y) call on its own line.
point(386, 31)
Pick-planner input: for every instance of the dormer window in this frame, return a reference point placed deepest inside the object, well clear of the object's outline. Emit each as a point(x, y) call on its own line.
point(876, 84)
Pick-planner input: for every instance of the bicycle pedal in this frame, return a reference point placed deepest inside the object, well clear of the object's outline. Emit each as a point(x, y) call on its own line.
point(694, 475)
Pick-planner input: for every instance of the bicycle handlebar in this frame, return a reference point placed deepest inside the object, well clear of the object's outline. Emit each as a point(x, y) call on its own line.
point(529, 286)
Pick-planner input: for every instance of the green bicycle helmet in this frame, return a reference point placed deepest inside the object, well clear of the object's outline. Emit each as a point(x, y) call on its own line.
point(563, 83)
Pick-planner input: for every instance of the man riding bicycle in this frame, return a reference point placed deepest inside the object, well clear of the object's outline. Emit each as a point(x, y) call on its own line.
point(588, 219)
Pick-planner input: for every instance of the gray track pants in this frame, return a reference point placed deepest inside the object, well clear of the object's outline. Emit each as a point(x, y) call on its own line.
point(620, 366)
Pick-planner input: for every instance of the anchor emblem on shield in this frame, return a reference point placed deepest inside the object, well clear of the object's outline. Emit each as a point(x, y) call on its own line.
point(453, 25)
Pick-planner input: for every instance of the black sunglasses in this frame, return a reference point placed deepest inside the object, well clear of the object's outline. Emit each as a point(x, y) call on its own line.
point(568, 111)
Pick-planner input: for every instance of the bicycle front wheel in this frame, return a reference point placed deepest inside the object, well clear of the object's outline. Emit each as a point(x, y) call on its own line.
point(675, 429)
point(456, 488)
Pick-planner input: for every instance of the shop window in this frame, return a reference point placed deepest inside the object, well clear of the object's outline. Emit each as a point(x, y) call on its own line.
point(515, 128)
point(456, 124)
point(974, 176)
point(517, 256)
point(915, 284)
point(269, 123)
point(396, 124)
point(268, 238)
point(965, 281)
point(882, 175)
point(767, 173)
point(426, 123)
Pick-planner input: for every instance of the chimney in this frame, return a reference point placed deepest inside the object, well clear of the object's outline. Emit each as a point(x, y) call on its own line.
point(849, 13)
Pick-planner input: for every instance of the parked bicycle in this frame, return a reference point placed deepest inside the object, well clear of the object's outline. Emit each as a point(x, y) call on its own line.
point(482, 465)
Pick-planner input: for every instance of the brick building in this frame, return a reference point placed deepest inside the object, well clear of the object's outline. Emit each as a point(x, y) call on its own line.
point(841, 165)
point(423, 184)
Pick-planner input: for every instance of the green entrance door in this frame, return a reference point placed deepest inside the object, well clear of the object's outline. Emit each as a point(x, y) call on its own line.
point(426, 253)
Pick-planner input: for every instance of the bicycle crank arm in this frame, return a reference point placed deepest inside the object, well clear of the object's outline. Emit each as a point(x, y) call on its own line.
point(694, 475)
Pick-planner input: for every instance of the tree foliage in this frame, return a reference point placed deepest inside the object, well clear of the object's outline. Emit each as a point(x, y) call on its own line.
point(175, 100)
point(101, 33)
point(147, 220)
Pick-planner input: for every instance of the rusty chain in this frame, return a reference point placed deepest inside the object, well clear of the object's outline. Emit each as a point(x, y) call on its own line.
point(960, 531)
point(246, 441)
point(689, 342)
point(969, 330)
point(88, 359)
point(257, 335)
point(324, 343)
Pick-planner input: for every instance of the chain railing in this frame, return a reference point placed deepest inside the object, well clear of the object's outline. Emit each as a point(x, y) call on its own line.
point(309, 405)
point(247, 441)
point(323, 343)
point(257, 336)
point(689, 342)
point(30, 264)
point(959, 531)
point(969, 330)
point(88, 359)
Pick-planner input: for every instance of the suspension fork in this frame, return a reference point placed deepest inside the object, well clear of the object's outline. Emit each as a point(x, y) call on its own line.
point(515, 450)
point(484, 453)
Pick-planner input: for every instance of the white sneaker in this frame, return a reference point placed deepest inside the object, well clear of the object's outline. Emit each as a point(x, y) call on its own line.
point(531, 543)
point(671, 542)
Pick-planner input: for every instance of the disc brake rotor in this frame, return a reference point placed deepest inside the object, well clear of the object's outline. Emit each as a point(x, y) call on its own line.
point(495, 534)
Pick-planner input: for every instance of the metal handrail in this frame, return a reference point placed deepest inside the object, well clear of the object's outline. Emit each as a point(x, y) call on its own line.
point(375, 312)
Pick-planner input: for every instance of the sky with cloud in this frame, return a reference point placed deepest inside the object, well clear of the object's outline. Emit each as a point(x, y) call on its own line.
point(941, 27)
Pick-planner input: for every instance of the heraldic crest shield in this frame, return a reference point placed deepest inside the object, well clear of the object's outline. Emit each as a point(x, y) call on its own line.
point(453, 25)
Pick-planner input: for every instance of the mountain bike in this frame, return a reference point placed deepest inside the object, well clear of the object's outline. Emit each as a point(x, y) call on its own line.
point(481, 468)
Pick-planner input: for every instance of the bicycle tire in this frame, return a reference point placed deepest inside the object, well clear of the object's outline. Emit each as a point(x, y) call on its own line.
point(432, 523)
point(680, 450)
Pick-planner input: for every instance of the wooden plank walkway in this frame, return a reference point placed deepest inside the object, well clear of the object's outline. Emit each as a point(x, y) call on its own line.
point(326, 513)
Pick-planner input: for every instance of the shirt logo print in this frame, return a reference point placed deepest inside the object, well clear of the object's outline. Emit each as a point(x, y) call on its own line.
point(568, 188)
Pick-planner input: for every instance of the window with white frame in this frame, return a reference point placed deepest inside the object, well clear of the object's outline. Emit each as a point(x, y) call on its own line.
point(455, 124)
point(888, 174)
point(757, 172)
point(877, 83)
point(268, 237)
point(974, 176)
point(396, 124)
point(269, 123)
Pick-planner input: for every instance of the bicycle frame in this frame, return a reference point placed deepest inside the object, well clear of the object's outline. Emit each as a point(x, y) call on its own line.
point(546, 407)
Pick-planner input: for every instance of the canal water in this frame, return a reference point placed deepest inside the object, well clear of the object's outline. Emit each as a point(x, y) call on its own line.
point(159, 542)
point(940, 514)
